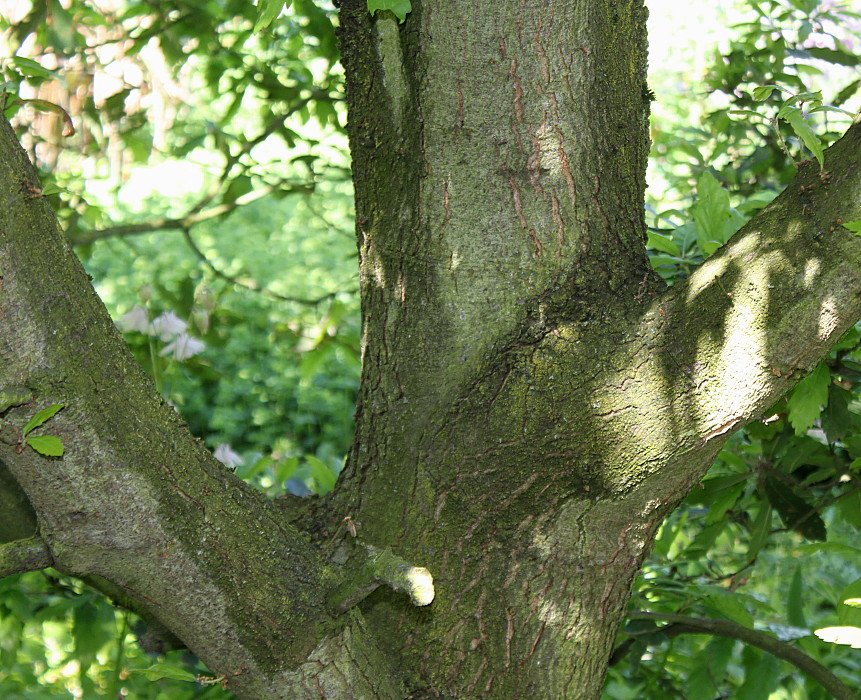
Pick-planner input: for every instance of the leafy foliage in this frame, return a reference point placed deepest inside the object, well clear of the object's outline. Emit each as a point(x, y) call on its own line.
point(251, 251)
point(242, 269)
point(400, 8)
point(723, 554)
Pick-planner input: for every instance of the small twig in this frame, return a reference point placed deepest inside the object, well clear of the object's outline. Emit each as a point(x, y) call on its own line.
point(375, 567)
point(682, 624)
point(239, 283)
point(195, 216)
point(18, 556)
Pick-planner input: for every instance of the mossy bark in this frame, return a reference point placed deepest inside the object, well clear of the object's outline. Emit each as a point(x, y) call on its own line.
point(533, 400)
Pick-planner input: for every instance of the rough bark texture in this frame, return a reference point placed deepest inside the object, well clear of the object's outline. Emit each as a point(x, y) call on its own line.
point(533, 401)
point(531, 405)
point(135, 500)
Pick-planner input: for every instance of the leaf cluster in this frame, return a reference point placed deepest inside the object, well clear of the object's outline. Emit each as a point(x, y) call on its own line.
point(769, 539)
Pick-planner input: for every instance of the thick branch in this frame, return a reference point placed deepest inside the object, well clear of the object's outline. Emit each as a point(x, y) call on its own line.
point(135, 499)
point(726, 628)
point(762, 312)
point(19, 556)
point(717, 350)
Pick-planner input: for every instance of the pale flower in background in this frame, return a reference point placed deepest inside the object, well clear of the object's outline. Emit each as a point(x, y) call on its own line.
point(135, 320)
point(183, 346)
point(169, 325)
point(225, 454)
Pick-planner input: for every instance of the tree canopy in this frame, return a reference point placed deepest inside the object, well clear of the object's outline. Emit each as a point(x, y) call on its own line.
point(235, 285)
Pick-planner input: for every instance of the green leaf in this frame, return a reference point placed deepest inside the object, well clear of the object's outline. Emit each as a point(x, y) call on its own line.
point(841, 58)
point(31, 68)
point(761, 675)
point(836, 419)
point(795, 600)
point(710, 211)
point(53, 188)
point(759, 531)
point(830, 108)
point(847, 92)
point(807, 398)
point(791, 508)
point(89, 630)
point(162, 670)
point(47, 445)
point(400, 8)
point(836, 547)
point(663, 243)
point(763, 92)
point(267, 12)
point(41, 417)
point(285, 469)
point(723, 502)
point(849, 509)
point(849, 339)
point(805, 133)
point(322, 474)
point(854, 226)
point(728, 606)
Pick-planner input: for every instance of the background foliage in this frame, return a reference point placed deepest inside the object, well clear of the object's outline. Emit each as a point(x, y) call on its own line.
point(207, 191)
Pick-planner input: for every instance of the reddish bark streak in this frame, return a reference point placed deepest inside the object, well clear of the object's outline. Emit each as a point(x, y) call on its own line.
point(560, 224)
point(542, 55)
point(518, 204)
point(509, 635)
point(536, 243)
point(534, 643)
point(518, 91)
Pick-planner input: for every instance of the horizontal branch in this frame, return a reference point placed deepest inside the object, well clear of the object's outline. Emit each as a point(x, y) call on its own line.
point(682, 624)
point(252, 288)
point(183, 222)
point(18, 556)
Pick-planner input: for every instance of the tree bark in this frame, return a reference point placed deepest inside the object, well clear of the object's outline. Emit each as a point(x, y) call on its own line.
point(533, 403)
point(533, 400)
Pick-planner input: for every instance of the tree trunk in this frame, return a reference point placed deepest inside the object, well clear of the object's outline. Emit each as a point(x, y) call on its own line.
point(533, 400)
point(533, 403)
